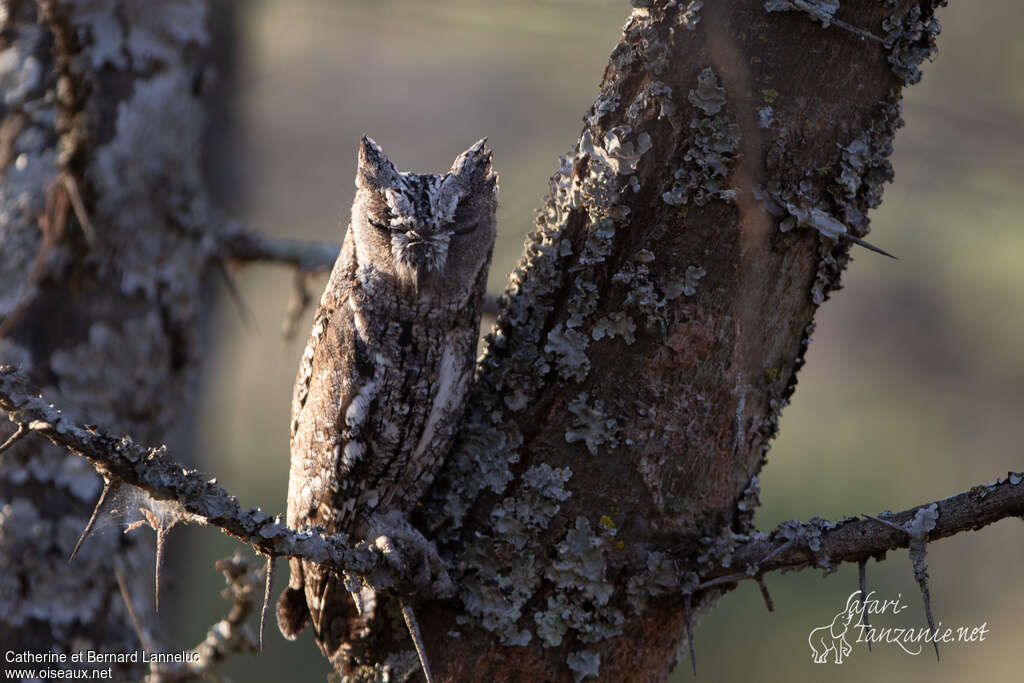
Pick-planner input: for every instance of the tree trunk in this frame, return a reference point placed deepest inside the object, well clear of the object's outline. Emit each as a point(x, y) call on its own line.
point(652, 332)
point(104, 216)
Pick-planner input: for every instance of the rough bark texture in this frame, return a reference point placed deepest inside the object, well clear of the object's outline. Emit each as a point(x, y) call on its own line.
point(653, 329)
point(643, 350)
point(102, 226)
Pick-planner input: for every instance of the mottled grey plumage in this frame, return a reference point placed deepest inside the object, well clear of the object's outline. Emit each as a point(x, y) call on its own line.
point(382, 383)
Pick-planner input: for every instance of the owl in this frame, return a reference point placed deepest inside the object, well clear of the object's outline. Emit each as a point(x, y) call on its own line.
point(383, 381)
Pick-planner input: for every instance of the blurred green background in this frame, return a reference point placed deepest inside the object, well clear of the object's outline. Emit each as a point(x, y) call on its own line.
point(913, 386)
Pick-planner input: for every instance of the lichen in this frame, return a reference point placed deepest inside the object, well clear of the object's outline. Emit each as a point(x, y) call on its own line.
point(658, 577)
point(591, 425)
point(615, 324)
point(819, 10)
point(138, 33)
point(499, 573)
point(708, 160)
point(911, 40)
point(584, 664)
point(690, 15)
point(581, 600)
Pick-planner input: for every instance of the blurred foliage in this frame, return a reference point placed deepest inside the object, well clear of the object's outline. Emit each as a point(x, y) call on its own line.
point(913, 385)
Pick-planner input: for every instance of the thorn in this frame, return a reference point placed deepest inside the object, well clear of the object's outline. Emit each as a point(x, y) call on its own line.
point(784, 546)
point(108, 486)
point(298, 302)
point(150, 518)
point(886, 522)
point(862, 580)
point(417, 640)
point(78, 206)
point(355, 590)
point(17, 436)
point(869, 246)
point(126, 596)
point(244, 313)
point(764, 593)
point(266, 596)
point(161, 538)
point(688, 607)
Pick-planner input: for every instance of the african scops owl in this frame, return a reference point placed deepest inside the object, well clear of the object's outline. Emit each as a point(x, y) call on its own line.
point(383, 381)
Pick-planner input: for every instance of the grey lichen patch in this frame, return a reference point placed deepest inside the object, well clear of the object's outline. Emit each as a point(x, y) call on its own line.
point(864, 167)
point(819, 10)
point(708, 160)
point(20, 72)
point(658, 577)
point(693, 276)
point(499, 574)
point(31, 166)
point(543, 491)
point(765, 117)
point(808, 536)
point(615, 324)
point(642, 295)
point(911, 40)
point(747, 505)
point(689, 13)
point(597, 194)
point(709, 95)
point(150, 261)
point(584, 664)
point(581, 600)
point(654, 94)
point(83, 377)
point(486, 449)
point(800, 207)
point(591, 425)
point(139, 33)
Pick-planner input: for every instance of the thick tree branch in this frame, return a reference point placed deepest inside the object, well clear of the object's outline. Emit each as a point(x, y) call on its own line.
point(195, 498)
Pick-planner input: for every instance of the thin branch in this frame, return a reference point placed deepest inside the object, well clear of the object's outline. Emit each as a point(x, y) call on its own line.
point(245, 247)
point(225, 638)
point(194, 498)
point(853, 540)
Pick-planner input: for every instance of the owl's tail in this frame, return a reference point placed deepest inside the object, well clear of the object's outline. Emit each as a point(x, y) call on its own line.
point(292, 610)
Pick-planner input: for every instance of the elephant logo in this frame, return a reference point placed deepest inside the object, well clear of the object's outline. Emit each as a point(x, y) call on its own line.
point(832, 638)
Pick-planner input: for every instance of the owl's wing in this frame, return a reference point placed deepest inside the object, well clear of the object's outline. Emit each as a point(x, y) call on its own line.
point(319, 403)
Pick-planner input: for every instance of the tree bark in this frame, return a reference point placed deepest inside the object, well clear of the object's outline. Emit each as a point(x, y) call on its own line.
point(104, 238)
point(653, 330)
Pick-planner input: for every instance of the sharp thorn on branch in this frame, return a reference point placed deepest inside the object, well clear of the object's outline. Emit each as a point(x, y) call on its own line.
point(869, 246)
point(688, 615)
point(20, 433)
point(109, 486)
point(244, 313)
point(130, 604)
point(417, 640)
point(862, 582)
point(886, 522)
point(266, 596)
point(764, 592)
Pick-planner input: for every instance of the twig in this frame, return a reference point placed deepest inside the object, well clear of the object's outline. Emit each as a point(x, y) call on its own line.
point(245, 246)
point(17, 436)
point(856, 539)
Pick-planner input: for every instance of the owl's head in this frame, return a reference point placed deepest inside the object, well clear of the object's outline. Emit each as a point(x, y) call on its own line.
point(431, 234)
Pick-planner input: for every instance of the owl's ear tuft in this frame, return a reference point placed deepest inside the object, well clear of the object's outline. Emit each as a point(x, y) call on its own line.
point(374, 171)
point(473, 165)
